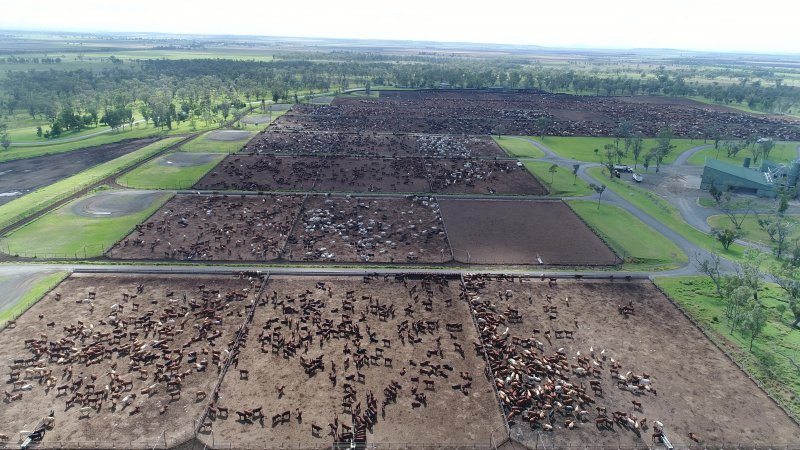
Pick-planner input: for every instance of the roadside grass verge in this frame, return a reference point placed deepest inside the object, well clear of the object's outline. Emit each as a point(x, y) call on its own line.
point(582, 148)
point(783, 152)
point(639, 245)
point(753, 232)
point(661, 210)
point(518, 147)
point(29, 204)
point(776, 352)
point(69, 235)
point(33, 295)
point(156, 175)
point(563, 183)
point(202, 144)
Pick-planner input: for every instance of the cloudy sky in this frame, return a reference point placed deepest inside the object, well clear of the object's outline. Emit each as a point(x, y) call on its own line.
point(731, 25)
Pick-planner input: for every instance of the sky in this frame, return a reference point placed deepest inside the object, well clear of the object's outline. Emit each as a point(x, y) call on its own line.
point(768, 26)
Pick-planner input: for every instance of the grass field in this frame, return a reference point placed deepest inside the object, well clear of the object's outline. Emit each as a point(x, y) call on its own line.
point(203, 145)
point(582, 148)
point(661, 210)
point(564, 183)
point(155, 175)
point(769, 362)
point(33, 295)
point(783, 152)
point(26, 205)
point(753, 232)
point(73, 236)
point(635, 242)
point(28, 133)
point(518, 147)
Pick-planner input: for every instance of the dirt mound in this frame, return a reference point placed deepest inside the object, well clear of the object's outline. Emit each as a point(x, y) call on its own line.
point(183, 159)
point(115, 203)
point(228, 135)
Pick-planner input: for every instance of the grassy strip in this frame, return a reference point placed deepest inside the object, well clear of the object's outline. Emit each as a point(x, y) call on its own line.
point(73, 236)
point(661, 210)
point(783, 152)
point(204, 145)
point(560, 184)
point(753, 232)
point(30, 298)
point(582, 148)
point(20, 208)
point(633, 240)
point(769, 361)
point(518, 147)
point(154, 175)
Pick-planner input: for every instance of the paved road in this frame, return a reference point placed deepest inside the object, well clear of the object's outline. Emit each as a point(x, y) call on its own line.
point(64, 140)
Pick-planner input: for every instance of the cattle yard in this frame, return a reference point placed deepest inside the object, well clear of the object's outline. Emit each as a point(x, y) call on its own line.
point(402, 358)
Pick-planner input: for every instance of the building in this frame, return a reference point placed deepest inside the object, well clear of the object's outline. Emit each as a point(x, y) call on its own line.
point(763, 182)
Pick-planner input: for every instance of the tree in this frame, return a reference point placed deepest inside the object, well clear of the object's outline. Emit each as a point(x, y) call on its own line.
point(4, 140)
point(575, 168)
point(778, 232)
point(754, 323)
point(553, 169)
point(736, 211)
point(788, 278)
point(663, 146)
point(39, 131)
point(715, 193)
point(609, 161)
point(766, 147)
point(738, 300)
point(636, 146)
point(726, 236)
point(599, 189)
point(710, 267)
point(542, 124)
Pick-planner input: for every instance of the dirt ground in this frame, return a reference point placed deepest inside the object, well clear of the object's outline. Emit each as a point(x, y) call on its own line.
point(178, 317)
point(477, 176)
point(373, 144)
point(521, 232)
point(26, 175)
point(213, 228)
point(262, 173)
point(353, 229)
point(448, 416)
point(698, 389)
point(373, 175)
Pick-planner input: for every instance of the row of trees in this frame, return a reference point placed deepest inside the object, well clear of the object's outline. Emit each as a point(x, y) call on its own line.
point(627, 142)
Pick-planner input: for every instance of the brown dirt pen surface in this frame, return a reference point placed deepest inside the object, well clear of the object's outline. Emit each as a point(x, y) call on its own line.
point(182, 322)
point(373, 144)
point(519, 231)
point(481, 112)
point(373, 175)
point(213, 228)
point(482, 177)
point(369, 230)
point(262, 173)
point(341, 321)
point(698, 389)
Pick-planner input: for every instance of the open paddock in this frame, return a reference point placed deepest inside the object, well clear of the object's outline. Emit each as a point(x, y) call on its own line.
point(213, 228)
point(376, 230)
point(381, 359)
point(262, 173)
point(599, 362)
point(521, 232)
point(120, 358)
point(373, 144)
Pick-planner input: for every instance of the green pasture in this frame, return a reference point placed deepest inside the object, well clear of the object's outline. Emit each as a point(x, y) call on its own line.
point(518, 147)
point(33, 295)
point(661, 210)
point(582, 148)
point(563, 183)
point(639, 245)
point(156, 175)
point(775, 353)
point(69, 235)
point(26, 205)
point(753, 232)
point(202, 144)
point(783, 152)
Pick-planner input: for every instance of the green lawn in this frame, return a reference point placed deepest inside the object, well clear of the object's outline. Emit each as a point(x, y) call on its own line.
point(28, 134)
point(30, 298)
point(783, 152)
point(26, 205)
point(564, 183)
point(518, 147)
point(582, 148)
point(661, 210)
point(156, 175)
point(638, 244)
point(753, 232)
point(203, 145)
point(769, 361)
point(72, 236)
